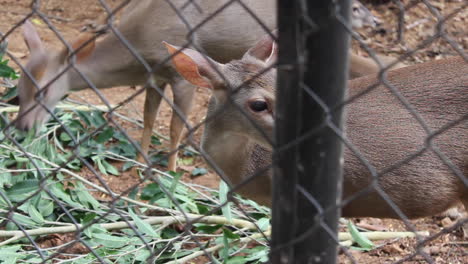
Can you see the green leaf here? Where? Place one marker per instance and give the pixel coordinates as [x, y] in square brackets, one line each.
[88, 218]
[186, 161]
[45, 207]
[35, 215]
[175, 181]
[110, 241]
[133, 194]
[22, 190]
[58, 192]
[24, 220]
[85, 151]
[11, 260]
[223, 194]
[360, 239]
[237, 260]
[142, 255]
[188, 203]
[168, 233]
[203, 209]
[259, 253]
[92, 118]
[6, 176]
[94, 229]
[97, 118]
[155, 140]
[85, 197]
[9, 94]
[128, 165]
[263, 210]
[229, 234]
[151, 190]
[98, 161]
[6, 71]
[224, 254]
[10, 249]
[124, 149]
[18, 158]
[65, 137]
[207, 229]
[105, 135]
[159, 159]
[143, 226]
[263, 224]
[75, 126]
[3, 202]
[35, 260]
[109, 168]
[10, 254]
[199, 172]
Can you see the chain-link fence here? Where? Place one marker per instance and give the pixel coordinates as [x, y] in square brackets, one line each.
[87, 176]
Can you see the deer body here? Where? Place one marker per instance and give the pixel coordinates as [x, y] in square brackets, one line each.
[144, 24]
[377, 124]
[386, 133]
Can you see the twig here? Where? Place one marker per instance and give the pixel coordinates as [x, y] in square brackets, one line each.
[346, 243]
[58, 18]
[218, 220]
[64, 107]
[417, 23]
[383, 235]
[461, 243]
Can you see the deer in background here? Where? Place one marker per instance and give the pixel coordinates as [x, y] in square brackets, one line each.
[144, 24]
[377, 124]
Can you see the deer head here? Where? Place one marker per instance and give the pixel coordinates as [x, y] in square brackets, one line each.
[42, 83]
[243, 90]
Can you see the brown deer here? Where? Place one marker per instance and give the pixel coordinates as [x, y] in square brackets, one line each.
[144, 24]
[377, 124]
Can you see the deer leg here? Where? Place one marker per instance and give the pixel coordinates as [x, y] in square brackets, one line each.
[465, 225]
[152, 102]
[183, 98]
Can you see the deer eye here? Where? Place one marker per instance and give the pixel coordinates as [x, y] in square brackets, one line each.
[258, 106]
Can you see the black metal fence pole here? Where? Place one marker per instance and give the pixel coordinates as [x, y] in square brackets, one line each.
[312, 76]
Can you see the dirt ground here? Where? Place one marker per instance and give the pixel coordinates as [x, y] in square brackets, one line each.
[70, 16]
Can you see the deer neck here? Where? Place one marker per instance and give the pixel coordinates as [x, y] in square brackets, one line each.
[111, 64]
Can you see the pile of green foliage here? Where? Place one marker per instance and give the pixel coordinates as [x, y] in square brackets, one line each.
[43, 189]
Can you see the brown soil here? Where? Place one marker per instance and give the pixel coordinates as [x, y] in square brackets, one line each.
[68, 17]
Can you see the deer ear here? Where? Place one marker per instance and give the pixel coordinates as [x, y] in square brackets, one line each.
[86, 43]
[193, 66]
[265, 49]
[31, 37]
[84, 46]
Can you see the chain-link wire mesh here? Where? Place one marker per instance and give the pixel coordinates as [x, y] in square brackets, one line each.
[85, 177]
